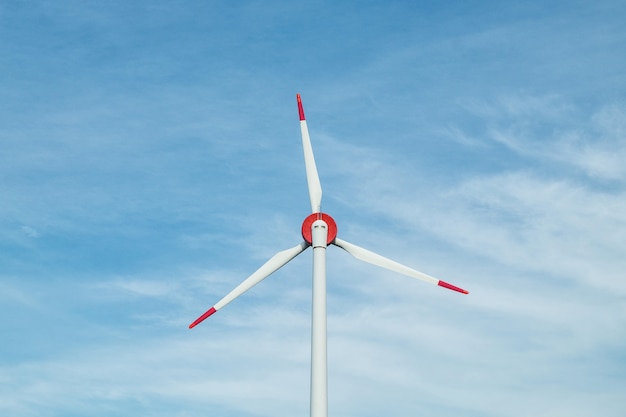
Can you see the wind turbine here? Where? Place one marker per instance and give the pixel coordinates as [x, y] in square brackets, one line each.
[318, 230]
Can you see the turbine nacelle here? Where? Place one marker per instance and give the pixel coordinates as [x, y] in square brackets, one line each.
[307, 224]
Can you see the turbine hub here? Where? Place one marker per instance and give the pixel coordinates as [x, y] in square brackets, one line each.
[308, 223]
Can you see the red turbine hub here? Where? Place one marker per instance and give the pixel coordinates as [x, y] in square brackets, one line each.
[308, 223]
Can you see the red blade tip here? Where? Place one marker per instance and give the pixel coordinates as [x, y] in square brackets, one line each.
[202, 317]
[300, 109]
[452, 287]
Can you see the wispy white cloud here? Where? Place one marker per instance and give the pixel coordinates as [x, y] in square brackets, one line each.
[30, 232]
[594, 144]
[536, 221]
[13, 293]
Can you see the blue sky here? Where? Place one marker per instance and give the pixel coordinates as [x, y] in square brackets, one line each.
[151, 160]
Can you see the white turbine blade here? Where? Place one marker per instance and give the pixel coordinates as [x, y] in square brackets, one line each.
[312, 178]
[378, 260]
[272, 265]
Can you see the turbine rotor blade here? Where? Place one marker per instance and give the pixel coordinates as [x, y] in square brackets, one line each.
[378, 260]
[312, 178]
[272, 265]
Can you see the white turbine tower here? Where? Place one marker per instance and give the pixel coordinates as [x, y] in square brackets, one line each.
[318, 230]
